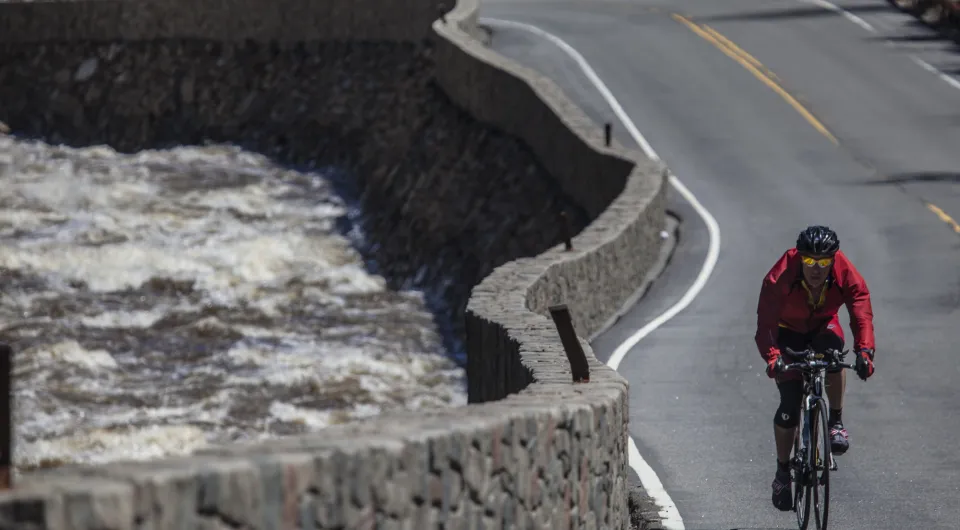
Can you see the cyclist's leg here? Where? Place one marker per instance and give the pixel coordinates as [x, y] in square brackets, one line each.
[786, 419]
[831, 337]
[784, 427]
[790, 385]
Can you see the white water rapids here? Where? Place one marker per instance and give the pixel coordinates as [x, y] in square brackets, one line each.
[165, 300]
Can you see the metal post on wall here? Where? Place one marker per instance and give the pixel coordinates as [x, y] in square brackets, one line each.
[571, 345]
[565, 231]
[442, 7]
[6, 417]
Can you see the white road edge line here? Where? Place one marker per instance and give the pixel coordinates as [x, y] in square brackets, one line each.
[649, 479]
[952, 81]
[846, 14]
[933, 70]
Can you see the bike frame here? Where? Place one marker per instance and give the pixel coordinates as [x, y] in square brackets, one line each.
[813, 393]
[813, 367]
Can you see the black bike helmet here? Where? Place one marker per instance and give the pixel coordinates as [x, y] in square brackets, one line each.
[818, 240]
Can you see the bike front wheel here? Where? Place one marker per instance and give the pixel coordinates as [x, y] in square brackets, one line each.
[801, 492]
[821, 458]
[812, 479]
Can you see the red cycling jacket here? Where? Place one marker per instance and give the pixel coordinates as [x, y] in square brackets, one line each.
[785, 302]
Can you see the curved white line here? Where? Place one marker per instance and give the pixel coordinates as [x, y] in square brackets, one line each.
[671, 517]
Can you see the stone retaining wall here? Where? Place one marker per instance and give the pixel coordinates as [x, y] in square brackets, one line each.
[531, 451]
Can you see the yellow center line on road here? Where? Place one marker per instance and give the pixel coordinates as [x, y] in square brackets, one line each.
[756, 68]
[738, 50]
[944, 217]
[761, 72]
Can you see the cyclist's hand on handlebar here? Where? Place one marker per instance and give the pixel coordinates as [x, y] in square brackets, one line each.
[864, 364]
[774, 366]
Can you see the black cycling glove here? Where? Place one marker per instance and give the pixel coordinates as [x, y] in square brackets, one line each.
[864, 364]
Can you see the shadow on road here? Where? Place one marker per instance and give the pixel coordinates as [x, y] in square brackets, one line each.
[913, 30]
[905, 178]
[796, 12]
[914, 37]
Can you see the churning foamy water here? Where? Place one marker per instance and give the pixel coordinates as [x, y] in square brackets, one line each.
[166, 300]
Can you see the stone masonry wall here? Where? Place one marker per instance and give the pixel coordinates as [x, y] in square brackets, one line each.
[532, 451]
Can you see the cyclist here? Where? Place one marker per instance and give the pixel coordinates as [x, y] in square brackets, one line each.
[799, 301]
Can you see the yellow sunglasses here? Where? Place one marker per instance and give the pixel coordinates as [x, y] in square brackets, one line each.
[822, 262]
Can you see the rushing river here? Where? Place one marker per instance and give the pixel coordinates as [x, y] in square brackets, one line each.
[169, 299]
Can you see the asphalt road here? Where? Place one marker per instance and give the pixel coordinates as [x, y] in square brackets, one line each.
[701, 408]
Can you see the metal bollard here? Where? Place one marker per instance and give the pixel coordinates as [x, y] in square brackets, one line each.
[6, 417]
[568, 336]
[607, 133]
[565, 230]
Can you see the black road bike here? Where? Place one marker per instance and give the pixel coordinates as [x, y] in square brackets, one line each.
[812, 459]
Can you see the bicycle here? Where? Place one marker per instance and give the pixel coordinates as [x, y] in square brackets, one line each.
[812, 465]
